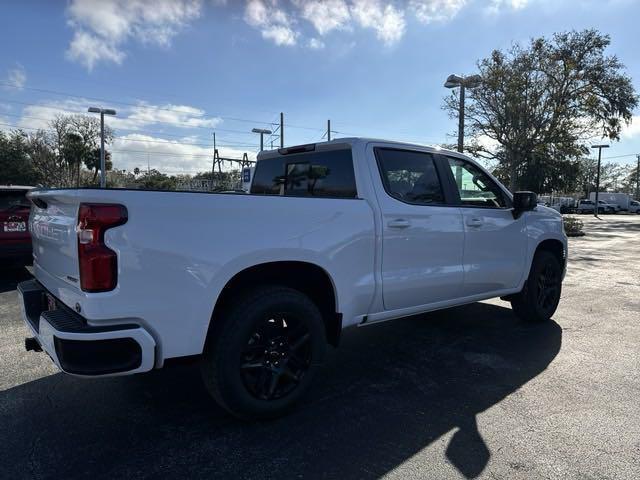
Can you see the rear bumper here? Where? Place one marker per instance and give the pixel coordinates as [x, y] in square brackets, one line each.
[81, 349]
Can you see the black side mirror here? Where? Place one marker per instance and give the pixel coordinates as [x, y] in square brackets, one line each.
[524, 202]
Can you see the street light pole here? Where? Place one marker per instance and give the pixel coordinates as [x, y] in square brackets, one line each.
[262, 132]
[103, 167]
[461, 120]
[455, 81]
[599, 147]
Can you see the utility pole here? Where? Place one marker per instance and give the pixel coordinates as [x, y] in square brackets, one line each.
[215, 150]
[213, 163]
[281, 130]
[328, 130]
[597, 205]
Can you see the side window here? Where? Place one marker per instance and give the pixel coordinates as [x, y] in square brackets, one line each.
[476, 188]
[314, 174]
[410, 176]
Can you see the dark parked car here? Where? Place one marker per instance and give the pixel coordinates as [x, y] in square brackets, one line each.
[15, 241]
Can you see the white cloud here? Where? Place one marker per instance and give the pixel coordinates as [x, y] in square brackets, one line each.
[181, 116]
[16, 78]
[129, 118]
[280, 34]
[89, 50]
[387, 20]
[316, 44]
[274, 23]
[38, 116]
[325, 15]
[429, 11]
[101, 27]
[633, 130]
[497, 6]
[488, 143]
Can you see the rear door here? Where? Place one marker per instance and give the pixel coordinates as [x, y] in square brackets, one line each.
[495, 243]
[423, 236]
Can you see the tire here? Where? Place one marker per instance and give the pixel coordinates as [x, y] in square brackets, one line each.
[538, 300]
[262, 356]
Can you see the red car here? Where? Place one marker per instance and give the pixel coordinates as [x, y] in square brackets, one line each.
[15, 240]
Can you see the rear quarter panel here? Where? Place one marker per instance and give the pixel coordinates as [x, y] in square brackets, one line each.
[178, 250]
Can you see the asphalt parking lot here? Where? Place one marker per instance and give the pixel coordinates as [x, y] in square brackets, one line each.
[466, 393]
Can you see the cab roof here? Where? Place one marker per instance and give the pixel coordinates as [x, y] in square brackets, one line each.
[353, 141]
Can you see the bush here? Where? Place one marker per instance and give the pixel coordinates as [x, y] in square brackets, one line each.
[573, 227]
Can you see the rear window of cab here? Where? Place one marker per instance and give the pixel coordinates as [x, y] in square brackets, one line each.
[327, 174]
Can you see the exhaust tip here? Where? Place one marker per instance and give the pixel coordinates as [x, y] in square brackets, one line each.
[31, 344]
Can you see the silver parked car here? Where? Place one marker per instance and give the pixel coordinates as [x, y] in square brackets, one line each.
[589, 206]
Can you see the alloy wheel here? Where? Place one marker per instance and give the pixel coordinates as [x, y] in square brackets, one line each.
[276, 357]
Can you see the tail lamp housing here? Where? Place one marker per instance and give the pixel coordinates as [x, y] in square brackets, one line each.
[98, 263]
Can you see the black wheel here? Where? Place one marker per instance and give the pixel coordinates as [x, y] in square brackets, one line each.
[263, 355]
[538, 300]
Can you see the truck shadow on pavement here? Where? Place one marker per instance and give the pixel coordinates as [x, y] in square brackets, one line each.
[12, 275]
[386, 394]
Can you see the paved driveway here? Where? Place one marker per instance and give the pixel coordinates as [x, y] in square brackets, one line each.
[465, 393]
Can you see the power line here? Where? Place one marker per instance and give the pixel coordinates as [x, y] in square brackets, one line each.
[168, 142]
[228, 142]
[620, 156]
[144, 152]
[165, 154]
[62, 109]
[82, 112]
[143, 104]
[118, 102]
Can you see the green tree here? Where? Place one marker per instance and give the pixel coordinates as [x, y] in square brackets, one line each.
[70, 141]
[15, 162]
[587, 172]
[154, 180]
[92, 162]
[541, 103]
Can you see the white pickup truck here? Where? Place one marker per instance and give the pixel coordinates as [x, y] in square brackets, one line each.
[332, 235]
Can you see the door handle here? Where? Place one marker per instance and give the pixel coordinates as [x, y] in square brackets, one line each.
[474, 222]
[399, 223]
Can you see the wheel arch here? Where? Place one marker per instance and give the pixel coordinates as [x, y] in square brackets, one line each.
[554, 246]
[306, 277]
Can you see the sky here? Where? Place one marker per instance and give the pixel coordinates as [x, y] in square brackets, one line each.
[178, 70]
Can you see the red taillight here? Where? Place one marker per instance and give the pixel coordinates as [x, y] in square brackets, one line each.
[98, 263]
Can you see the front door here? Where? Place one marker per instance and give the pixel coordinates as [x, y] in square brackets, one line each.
[423, 237]
[495, 243]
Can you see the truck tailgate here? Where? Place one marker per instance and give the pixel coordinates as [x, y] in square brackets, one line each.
[53, 230]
